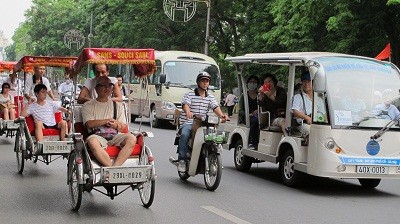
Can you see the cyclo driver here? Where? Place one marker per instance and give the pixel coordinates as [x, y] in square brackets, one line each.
[197, 102]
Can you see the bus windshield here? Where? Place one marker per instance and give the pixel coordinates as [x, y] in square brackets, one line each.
[361, 92]
[185, 73]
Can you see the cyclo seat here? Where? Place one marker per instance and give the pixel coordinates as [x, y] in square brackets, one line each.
[47, 131]
[112, 151]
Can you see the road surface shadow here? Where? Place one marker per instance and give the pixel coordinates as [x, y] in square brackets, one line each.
[317, 185]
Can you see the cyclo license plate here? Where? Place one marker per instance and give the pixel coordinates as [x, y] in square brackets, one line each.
[373, 169]
[57, 147]
[127, 175]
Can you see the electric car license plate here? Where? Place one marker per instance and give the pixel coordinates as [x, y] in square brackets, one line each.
[373, 169]
[127, 175]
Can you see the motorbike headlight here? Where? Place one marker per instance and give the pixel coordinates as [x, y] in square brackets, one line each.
[168, 105]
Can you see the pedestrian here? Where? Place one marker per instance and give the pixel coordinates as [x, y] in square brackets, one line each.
[230, 102]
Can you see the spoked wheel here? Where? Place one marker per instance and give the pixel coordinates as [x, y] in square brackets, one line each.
[146, 192]
[154, 120]
[290, 176]
[242, 163]
[75, 189]
[212, 176]
[20, 150]
[147, 189]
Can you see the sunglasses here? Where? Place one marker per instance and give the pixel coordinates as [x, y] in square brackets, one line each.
[110, 85]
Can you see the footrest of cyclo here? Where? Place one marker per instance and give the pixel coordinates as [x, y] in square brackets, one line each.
[123, 174]
[57, 147]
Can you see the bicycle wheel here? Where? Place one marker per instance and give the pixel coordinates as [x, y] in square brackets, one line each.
[75, 189]
[147, 189]
[212, 176]
[20, 150]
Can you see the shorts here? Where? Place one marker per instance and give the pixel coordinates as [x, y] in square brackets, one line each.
[51, 127]
[116, 141]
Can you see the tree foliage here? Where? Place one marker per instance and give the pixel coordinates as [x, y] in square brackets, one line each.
[237, 27]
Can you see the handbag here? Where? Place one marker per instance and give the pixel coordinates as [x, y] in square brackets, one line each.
[104, 131]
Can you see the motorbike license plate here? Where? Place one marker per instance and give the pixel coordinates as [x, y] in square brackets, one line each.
[127, 175]
[372, 169]
[57, 147]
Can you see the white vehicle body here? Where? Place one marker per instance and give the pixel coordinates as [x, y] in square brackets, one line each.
[337, 147]
[156, 100]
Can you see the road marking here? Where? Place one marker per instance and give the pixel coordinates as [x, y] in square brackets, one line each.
[225, 215]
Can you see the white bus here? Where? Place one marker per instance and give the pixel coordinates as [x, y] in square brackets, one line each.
[344, 143]
[158, 101]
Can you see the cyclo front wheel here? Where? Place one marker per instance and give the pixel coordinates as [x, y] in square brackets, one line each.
[212, 175]
[20, 150]
[75, 189]
[147, 189]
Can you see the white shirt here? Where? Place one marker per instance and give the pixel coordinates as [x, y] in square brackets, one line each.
[29, 86]
[90, 84]
[44, 113]
[230, 100]
[65, 87]
[387, 111]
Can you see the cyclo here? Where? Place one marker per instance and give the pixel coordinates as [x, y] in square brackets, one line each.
[9, 126]
[25, 142]
[138, 172]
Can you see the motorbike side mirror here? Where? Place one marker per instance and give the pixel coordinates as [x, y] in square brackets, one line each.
[163, 78]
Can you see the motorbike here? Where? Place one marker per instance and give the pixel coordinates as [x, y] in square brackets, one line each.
[66, 101]
[204, 151]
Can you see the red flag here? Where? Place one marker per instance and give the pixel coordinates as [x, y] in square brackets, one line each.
[385, 53]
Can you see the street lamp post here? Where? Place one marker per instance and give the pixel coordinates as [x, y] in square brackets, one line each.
[207, 40]
[170, 6]
[90, 36]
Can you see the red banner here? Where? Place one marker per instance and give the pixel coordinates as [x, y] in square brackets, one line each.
[27, 62]
[7, 66]
[142, 59]
[385, 53]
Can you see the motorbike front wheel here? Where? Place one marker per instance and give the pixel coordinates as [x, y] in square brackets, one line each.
[212, 175]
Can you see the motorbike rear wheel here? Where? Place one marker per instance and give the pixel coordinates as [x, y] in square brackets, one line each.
[212, 175]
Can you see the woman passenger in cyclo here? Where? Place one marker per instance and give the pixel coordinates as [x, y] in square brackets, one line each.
[197, 102]
[43, 112]
[88, 91]
[15, 84]
[253, 82]
[98, 113]
[273, 100]
[7, 103]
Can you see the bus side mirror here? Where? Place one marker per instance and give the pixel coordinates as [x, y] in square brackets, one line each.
[163, 78]
[222, 84]
[319, 79]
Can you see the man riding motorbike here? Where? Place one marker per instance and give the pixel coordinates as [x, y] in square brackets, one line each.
[198, 102]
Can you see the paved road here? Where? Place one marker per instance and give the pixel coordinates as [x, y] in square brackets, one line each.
[40, 195]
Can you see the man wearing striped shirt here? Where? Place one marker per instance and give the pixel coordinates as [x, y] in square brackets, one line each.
[197, 102]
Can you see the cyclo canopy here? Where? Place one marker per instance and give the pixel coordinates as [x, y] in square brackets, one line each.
[27, 62]
[141, 59]
[6, 66]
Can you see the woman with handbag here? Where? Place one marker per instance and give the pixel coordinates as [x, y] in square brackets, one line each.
[7, 103]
